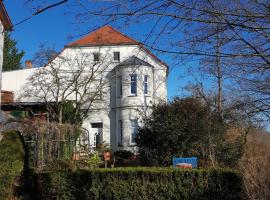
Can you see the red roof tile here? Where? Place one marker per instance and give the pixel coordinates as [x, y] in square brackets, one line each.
[105, 35]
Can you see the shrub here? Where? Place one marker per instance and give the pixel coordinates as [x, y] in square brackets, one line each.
[89, 162]
[124, 158]
[124, 154]
[255, 166]
[138, 183]
[185, 128]
[11, 161]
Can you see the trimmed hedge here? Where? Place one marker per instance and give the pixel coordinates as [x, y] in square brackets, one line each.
[11, 162]
[138, 183]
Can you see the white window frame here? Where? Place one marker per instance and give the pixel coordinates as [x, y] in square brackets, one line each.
[146, 83]
[136, 84]
[133, 129]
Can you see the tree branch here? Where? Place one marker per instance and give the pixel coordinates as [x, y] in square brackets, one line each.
[41, 11]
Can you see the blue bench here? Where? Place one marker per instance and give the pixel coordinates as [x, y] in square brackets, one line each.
[192, 160]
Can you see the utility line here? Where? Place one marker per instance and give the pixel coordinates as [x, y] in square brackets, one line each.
[40, 11]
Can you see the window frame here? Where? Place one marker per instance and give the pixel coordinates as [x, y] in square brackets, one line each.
[135, 81]
[118, 56]
[96, 55]
[146, 85]
[133, 130]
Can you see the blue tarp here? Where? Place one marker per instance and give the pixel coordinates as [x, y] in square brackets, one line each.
[191, 160]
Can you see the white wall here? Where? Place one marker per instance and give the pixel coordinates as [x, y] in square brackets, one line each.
[16, 80]
[113, 108]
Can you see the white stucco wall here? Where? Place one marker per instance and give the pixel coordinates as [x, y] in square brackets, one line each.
[113, 107]
[17, 80]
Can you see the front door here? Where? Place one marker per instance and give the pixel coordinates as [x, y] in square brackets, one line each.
[96, 132]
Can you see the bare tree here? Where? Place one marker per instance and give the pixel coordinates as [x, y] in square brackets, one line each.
[190, 28]
[72, 78]
[185, 26]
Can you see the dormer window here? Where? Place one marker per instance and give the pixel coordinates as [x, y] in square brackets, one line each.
[116, 56]
[96, 57]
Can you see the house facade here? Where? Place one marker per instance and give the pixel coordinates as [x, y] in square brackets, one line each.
[5, 25]
[133, 80]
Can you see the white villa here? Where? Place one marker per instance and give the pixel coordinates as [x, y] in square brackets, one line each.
[135, 80]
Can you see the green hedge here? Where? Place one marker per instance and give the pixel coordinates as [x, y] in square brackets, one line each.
[138, 183]
[11, 162]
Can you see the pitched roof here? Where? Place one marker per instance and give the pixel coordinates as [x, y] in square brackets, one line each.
[105, 35]
[133, 60]
[4, 17]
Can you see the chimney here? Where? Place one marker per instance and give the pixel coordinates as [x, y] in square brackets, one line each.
[28, 64]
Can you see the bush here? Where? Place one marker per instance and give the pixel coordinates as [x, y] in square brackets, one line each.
[185, 128]
[11, 162]
[138, 183]
[124, 158]
[124, 154]
[255, 166]
[89, 162]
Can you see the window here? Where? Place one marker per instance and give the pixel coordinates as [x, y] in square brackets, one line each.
[96, 57]
[133, 84]
[120, 132]
[134, 130]
[120, 86]
[146, 84]
[116, 56]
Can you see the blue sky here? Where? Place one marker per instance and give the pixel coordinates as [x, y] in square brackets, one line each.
[56, 28]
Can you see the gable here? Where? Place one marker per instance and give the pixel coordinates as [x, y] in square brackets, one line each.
[108, 36]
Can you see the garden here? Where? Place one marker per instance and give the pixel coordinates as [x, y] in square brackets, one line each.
[51, 161]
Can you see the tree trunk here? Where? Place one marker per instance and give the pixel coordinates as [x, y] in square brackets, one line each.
[219, 73]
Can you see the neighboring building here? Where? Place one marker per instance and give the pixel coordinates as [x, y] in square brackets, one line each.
[136, 79]
[5, 25]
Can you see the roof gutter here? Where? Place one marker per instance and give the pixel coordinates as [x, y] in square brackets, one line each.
[5, 18]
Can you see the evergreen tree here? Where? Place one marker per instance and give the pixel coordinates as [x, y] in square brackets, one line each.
[12, 56]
